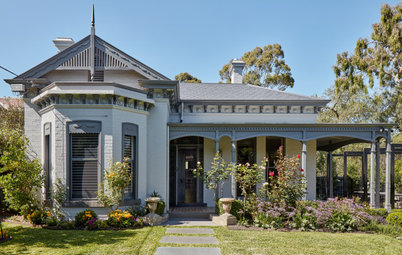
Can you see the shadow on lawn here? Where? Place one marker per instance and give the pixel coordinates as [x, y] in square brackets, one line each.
[25, 237]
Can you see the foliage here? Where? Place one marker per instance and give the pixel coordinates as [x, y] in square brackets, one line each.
[122, 219]
[248, 176]
[381, 228]
[237, 207]
[264, 67]
[380, 212]
[138, 211]
[288, 184]
[86, 219]
[216, 177]
[38, 217]
[59, 196]
[116, 179]
[160, 208]
[186, 77]
[370, 77]
[13, 117]
[341, 222]
[395, 218]
[20, 176]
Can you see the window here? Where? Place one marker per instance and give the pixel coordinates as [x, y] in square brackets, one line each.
[84, 159]
[46, 163]
[130, 132]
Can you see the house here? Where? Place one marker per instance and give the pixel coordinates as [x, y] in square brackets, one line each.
[92, 104]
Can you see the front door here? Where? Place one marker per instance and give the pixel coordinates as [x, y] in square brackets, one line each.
[186, 183]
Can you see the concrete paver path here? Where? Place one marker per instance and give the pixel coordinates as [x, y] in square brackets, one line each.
[187, 251]
[189, 231]
[190, 239]
[189, 236]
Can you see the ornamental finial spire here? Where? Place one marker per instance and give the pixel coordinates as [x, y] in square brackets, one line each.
[93, 16]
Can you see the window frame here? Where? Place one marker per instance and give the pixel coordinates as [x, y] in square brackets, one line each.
[130, 129]
[83, 127]
[47, 159]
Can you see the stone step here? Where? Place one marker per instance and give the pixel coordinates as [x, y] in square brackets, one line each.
[190, 239]
[187, 250]
[191, 212]
[189, 231]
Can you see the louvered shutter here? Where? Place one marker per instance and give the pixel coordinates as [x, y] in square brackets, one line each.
[84, 165]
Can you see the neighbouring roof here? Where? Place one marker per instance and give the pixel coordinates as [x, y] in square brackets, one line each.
[6, 102]
[229, 92]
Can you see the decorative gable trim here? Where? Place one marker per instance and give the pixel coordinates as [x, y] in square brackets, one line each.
[78, 56]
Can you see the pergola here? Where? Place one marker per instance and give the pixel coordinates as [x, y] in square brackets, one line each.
[329, 137]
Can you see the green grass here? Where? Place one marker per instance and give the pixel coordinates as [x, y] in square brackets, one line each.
[27, 240]
[273, 242]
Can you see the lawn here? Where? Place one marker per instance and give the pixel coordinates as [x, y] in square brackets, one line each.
[145, 241]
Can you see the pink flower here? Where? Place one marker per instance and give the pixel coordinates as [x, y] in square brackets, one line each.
[271, 173]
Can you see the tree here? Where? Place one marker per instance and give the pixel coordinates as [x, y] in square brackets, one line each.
[13, 116]
[264, 67]
[186, 77]
[20, 177]
[215, 178]
[374, 70]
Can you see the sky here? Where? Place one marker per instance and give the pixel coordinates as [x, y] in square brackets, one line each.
[198, 37]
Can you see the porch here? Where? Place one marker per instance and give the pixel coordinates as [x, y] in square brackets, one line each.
[299, 139]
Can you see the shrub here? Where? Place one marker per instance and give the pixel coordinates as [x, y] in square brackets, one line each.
[52, 221]
[138, 211]
[288, 184]
[386, 229]
[341, 222]
[82, 218]
[160, 209]
[38, 217]
[121, 219]
[237, 208]
[116, 179]
[20, 176]
[66, 225]
[381, 212]
[271, 215]
[395, 218]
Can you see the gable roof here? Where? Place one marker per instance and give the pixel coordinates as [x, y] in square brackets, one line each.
[229, 92]
[77, 56]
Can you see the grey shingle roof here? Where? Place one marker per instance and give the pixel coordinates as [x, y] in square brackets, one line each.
[238, 92]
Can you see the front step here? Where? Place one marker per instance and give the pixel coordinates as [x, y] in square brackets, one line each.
[191, 212]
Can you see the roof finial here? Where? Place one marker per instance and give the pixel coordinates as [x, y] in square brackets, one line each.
[93, 15]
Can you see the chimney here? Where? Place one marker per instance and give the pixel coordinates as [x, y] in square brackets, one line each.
[63, 43]
[236, 71]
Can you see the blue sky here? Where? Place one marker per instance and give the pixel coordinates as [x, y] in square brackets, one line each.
[198, 37]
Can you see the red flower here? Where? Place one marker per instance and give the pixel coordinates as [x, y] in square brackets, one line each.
[271, 173]
[298, 156]
[283, 179]
[301, 170]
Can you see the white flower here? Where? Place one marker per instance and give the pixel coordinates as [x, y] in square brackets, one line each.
[265, 184]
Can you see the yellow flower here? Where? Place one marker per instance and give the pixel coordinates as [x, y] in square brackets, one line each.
[111, 175]
[48, 214]
[118, 163]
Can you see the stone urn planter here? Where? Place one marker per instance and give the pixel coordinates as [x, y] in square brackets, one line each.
[152, 218]
[227, 204]
[226, 218]
[152, 203]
